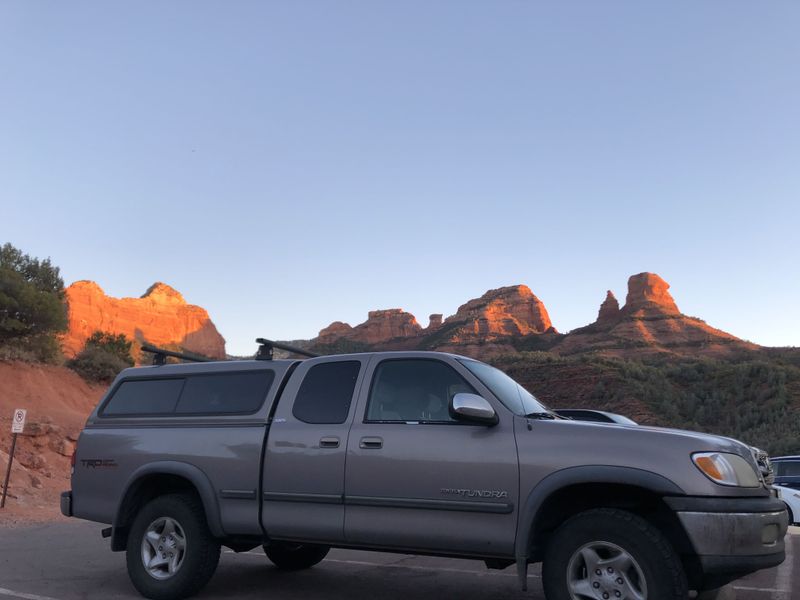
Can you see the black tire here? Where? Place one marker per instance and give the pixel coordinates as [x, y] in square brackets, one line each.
[199, 557]
[293, 557]
[659, 565]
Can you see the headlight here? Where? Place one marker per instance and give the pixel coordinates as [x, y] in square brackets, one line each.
[726, 469]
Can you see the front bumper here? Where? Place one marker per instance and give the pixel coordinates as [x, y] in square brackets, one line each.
[732, 537]
[66, 504]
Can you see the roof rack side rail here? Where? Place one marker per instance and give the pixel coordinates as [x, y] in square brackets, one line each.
[266, 346]
[160, 355]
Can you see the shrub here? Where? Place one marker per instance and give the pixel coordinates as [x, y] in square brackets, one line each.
[103, 356]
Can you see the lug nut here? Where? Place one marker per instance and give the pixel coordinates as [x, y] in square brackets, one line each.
[618, 594]
[605, 595]
[620, 581]
[610, 570]
[598, 572]
[595, 585]
[163, 539]
[160, 548]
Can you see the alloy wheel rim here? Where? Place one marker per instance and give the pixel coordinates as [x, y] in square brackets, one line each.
[163, 548]
[604, 571]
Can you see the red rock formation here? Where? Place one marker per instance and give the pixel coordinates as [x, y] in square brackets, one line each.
[333, 332]
[380, 326]
[648, 295]
[512, 310]
[649, 323]
[161, 317]
[434, 321]
[500, 313]
[609, 309]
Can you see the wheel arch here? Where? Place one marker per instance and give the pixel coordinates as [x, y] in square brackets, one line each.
[159, 478]
[593, 486]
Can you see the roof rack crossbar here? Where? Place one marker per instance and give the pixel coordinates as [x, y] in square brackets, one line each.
[160, 355]
[266, 346]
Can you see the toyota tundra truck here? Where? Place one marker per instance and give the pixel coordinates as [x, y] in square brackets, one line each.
[412, 452]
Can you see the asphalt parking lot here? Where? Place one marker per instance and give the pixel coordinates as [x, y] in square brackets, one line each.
[69, 561]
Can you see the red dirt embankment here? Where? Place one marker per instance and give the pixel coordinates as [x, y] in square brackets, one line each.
[58, 402]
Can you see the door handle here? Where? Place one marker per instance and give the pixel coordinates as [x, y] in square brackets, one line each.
[329, 442]
[371, 443]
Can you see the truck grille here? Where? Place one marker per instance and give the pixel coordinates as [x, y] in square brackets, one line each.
[764, 465]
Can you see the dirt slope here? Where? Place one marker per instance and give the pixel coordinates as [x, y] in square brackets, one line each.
[58, 402]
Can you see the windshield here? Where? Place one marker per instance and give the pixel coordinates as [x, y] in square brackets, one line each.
[515, 397]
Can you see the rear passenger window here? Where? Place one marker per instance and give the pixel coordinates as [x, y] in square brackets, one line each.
[326, 392]
[225, 393]
[145, 397]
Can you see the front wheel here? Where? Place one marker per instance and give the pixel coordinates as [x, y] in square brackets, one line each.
[170, 553]
[293, 557]
[609, 554]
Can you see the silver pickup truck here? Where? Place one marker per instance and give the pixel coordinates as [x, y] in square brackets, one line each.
[413, 452]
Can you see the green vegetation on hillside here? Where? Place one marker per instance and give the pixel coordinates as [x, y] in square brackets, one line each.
[33, 309]
[756, 399]
[103, 356]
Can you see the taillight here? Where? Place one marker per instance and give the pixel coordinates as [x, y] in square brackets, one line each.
[72, 461]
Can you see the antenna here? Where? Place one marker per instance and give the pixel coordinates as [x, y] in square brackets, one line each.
[266, 346]
[160, 355]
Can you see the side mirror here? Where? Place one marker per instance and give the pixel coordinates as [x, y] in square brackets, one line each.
[473, 408]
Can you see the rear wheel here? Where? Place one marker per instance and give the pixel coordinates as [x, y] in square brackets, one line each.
[293, 557]
[171, 553]
[609, 554]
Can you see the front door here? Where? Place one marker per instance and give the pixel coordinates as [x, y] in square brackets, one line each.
[416, 478]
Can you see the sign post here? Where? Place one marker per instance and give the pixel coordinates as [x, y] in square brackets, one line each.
[17, 426]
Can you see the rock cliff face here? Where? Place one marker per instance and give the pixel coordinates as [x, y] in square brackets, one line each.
[512, 318]
[507, 312]
[609, 309]
[648, 295]
[649, 323]
[435, 321]
[381, 326]
[161, 317]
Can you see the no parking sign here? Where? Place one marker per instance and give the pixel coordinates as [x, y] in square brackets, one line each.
[17, 425]
[18, 421]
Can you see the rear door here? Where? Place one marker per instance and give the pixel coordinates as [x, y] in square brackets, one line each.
[303, 473]
[418, 479]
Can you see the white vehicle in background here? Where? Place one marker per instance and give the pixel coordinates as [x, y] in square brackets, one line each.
[790, 494]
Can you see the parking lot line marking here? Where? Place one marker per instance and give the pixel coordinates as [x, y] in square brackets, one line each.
[365, 563]
[13, 594]
[783, 578]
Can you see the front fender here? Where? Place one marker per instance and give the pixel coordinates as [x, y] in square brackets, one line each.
[529, 512]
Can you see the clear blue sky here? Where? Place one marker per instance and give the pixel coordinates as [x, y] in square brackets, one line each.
[288, 164]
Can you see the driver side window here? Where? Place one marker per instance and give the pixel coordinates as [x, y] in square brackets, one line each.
[414, 390]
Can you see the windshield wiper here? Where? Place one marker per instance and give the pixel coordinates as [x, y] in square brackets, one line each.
[542, 415]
